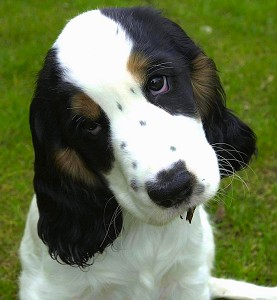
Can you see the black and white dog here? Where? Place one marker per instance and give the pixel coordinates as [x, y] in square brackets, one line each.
[130, 132]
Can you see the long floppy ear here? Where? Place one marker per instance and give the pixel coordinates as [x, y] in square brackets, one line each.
[233, 141]
[78, 214]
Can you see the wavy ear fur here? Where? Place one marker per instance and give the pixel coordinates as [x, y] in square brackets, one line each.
[78, 215]
[233, 141]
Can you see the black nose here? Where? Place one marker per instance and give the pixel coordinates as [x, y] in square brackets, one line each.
[171, 187]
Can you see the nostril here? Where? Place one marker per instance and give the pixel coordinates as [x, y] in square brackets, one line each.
[171, 187]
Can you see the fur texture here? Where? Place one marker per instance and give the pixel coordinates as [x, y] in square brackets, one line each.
[130, 131]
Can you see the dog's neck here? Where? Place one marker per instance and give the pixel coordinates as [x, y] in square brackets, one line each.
[138, 234]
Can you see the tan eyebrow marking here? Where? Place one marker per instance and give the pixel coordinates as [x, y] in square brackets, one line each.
[137, 65]
[85, 106]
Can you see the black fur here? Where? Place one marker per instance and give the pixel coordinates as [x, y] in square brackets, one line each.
[233, 141]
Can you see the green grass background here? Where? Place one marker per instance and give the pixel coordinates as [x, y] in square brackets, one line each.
[243, 43]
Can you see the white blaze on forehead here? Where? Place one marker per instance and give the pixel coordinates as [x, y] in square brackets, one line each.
[93, 52]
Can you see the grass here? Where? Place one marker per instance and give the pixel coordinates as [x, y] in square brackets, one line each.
[240, 36]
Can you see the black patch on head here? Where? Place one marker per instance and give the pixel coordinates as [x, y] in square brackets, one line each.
[157, 39]
[134, 165]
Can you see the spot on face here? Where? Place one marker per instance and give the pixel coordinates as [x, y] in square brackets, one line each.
[70, 163]
[134, 185]
[142, 123]
[119, 106]
[85, 106]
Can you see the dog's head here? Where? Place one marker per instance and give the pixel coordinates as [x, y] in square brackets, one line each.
[128, 115]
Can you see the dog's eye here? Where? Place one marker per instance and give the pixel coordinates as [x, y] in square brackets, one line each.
[158, 85]
[91, 127]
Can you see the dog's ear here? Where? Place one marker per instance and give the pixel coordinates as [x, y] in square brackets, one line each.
[233, 141]
[78, 215]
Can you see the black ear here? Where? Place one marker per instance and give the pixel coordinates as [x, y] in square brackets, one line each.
[78, 214]
[233, 141]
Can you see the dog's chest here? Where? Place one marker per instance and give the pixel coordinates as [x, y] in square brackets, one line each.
[150, 262]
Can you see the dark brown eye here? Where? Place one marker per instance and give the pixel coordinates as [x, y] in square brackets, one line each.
[91, 127]
[158, 85]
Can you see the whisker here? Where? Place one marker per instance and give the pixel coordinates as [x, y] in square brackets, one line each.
[112, 221]
[241, 162]
[233, 149]
[159, 65]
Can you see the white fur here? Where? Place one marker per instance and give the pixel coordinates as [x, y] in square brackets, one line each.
[140, 265]
[157, 255]
[239, 290]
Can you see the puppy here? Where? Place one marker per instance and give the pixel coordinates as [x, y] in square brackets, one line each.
[131, 137]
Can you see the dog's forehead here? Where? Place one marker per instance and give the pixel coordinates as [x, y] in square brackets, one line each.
[96, 54]
[92, 41]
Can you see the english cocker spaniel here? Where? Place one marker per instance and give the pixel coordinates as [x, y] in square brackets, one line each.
[131, 137]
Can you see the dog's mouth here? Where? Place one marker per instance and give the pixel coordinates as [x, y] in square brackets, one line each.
[190, 213]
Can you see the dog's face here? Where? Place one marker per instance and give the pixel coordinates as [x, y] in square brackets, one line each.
[128, 115]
